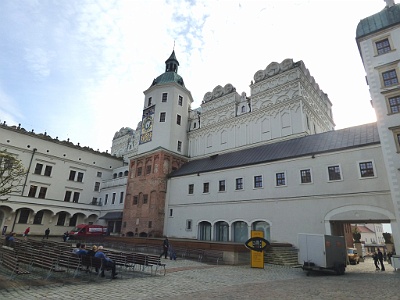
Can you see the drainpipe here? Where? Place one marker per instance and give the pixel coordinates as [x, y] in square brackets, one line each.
[23, 187]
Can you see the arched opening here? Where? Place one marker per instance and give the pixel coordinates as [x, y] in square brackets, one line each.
[143, 234]
[221, 231]
[129, 233]
[240, 232]
[204, 231]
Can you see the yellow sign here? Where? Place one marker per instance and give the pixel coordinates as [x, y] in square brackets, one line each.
[257, 257]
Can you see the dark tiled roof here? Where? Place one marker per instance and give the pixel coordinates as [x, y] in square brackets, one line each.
[112, 215]
[387, 17]
[331, 141]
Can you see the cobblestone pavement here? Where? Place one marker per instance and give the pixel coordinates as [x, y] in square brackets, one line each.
[187, 279]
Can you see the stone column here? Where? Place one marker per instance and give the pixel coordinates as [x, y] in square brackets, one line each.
[358, 246]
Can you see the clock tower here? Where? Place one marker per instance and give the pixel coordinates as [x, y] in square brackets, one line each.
[163, 148]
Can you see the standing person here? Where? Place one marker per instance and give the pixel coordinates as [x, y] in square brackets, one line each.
[46, 233]
[165, 248]
[26, 233]
[380, 257]
[375, 258]
[65, 236]
[172, 253]
[108, 263]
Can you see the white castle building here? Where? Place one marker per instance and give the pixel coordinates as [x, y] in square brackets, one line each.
[270, 161]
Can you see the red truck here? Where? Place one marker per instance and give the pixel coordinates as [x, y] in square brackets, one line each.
[86, 230]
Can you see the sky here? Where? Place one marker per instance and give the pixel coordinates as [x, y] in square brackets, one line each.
[77, 69]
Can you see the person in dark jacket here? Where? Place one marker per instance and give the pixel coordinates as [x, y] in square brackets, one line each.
[380, 258]
[165, 248]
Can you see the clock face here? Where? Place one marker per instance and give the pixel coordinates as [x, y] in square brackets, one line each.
[147, 124]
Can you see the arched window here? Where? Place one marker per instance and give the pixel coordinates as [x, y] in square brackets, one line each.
[221, 231]
[204, 231]
[264, 227]
[126, 173]
[240, 232]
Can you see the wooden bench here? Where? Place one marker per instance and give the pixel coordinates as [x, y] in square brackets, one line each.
[195, 254]
[155, 260]
[11, 262]
[213, 255]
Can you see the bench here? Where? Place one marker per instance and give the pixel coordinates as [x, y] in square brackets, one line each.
[155, 260]
[11, 262]
[196, 254]
[213, 255]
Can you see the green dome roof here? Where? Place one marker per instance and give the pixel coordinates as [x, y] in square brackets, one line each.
[168, 77]
[388, 17]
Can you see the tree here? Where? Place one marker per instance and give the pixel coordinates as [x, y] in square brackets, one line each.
[12, 173]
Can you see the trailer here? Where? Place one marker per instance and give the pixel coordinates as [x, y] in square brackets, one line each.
[323, 253]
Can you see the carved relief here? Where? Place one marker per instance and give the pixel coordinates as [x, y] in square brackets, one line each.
[207, 97]
[287, 64]
[228, 88]
[272, 69]
[260, 75]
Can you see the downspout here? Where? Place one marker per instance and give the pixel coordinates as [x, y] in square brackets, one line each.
[23, 187]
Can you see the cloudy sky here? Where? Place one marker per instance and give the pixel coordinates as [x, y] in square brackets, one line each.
[77, 69]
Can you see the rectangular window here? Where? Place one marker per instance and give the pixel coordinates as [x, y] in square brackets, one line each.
[99, 174]
[97, 186]
[135, 200]
[334, 173]
[164, 97]
[42, 192]
[72, 174]
[150, 224]
[390, 78]
[139, 171]
[383, 46]
[38, 168]
[180, 100]
[61, 218]
[94, 201]
[189, 224]
[191, 189]
[305, 176]
[162, 117]
[106, 199]
[171, 212]
[114, 195]
[280, 179]
[178, 119]
[149, 101]
[38, 217]
[32, 191]
[47, 171]
[206, 187]
[76, 197]
[394, 104]
[179, 147]
[221, 186]
[148, 169]
[366, 169]
[239, 183]
[258, 181]
[145, 199]
[121, 197]
[80, 177]
[67, 196]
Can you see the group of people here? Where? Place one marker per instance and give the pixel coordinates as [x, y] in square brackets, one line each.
[378, 260]
[97, 252]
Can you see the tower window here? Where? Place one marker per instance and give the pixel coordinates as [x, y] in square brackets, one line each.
[390, 78]
[179, 148]
[394, 104]
[178, 119]
[162, 117]
[164, 97]
[180, 100]
[383, 46]
[149, 101]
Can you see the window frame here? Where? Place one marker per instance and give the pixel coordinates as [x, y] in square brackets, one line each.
[220, 185]
[384, 48]
[178, 119]
[179, 146]
[189, 225]
[38, 169]
[391, 81]
[191, 189]
[239, 184]
[206, 187]
[164, 97]
[280, 179]
[75, 197]
[396, 97]
[340, 173]
[163, 116]
[258, 182]
[121, 197]
[180, 100]
[372, 166]
[307, 176]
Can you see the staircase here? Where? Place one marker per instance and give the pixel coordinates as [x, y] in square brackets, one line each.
[282, 254]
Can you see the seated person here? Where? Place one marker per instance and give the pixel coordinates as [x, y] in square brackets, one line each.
[108, 263]
[78, 247]
[82, 250]
[92, 251]
[10, 240]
